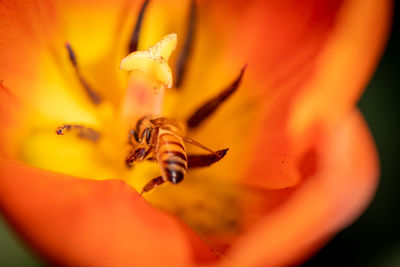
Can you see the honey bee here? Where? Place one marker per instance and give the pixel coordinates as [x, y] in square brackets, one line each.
[160, 139]
[163, 140]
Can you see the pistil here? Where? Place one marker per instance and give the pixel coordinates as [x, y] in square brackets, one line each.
[150, 76]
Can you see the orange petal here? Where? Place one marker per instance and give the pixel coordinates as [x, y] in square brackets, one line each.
[32, 62]
[345, 65]
[308, 62]
[24, 29]
[286, 66]
[80, 222]
[344, 182]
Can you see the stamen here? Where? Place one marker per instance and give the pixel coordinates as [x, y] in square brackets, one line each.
[133, 43]
[80, 130]
[71, 55]
[211, 105]
[94, 97]
[187, 46]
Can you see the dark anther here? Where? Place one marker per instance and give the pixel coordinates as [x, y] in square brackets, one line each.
[63, 129]
[80, 130]
[133, 43]
[195, 161]
[94, 97]
[211, 105]
[71, 55]
[187, 46]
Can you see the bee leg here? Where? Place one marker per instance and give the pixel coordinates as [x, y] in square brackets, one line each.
[139, 154]
[212, 105]
[195, 161]
[152, 184]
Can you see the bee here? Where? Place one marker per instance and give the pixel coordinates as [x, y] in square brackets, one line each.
[162, 140]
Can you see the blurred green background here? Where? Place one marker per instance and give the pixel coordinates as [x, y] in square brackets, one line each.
[374, 239]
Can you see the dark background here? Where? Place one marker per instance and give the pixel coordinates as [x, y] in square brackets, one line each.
[374, 239]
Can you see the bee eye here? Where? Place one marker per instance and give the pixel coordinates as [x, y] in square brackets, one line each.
[134, 134]
[145, 134]
[148, 136]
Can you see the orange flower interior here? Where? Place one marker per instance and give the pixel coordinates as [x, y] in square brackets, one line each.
[97, 104]
[303, 78]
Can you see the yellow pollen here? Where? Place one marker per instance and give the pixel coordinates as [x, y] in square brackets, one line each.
[154, 60]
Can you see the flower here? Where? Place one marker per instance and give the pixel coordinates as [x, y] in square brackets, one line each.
[301, 165]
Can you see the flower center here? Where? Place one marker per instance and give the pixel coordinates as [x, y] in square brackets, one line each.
[154, 138]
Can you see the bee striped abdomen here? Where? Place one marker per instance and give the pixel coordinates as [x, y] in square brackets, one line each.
[171, 155]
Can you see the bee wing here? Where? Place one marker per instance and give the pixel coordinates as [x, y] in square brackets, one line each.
[168, 124]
